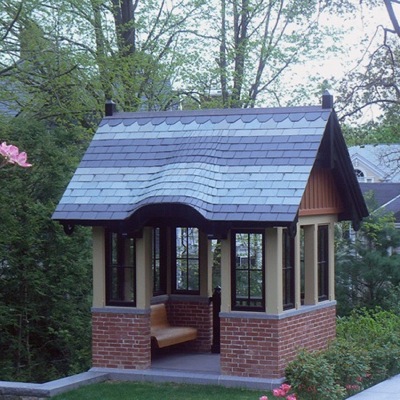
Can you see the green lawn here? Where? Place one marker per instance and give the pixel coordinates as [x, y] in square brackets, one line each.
[152, 391]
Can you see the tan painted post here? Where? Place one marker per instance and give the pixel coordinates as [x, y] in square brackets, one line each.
[99, 268]
[144, 283]
[226, 274]
[311, 264]
[273, 270]
[205, 267]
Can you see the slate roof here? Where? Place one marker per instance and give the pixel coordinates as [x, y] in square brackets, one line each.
[228, 165]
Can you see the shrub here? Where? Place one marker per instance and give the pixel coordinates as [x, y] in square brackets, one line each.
[377, 332]
[366, 351]
[351, 365]
[313, 377]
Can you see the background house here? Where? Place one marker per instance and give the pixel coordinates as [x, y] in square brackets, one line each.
[377, 168]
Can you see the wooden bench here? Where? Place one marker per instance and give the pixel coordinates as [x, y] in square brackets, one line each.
[163, 333]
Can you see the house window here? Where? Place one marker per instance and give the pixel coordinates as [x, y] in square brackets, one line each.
[187, 260]
[158, 266]
[323, 262]
[288, 270]
[360, 175]
[120, 270]
[248, 280]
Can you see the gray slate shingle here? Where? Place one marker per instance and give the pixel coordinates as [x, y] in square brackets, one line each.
[229, 165]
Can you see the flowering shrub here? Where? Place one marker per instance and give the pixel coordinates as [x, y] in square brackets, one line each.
[313, 377]
[12, 155]
[366, 351]
[282, 391]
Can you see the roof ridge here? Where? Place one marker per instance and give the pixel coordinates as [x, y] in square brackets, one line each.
[218, 112]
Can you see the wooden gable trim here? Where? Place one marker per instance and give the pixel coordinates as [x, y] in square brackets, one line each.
[321, 195]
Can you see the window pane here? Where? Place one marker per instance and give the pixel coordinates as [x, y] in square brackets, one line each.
[181, 242]
[114, 252]
[159, 283]
[181, 274]
[242, 284]
[255, 250]
[193, 275]
[129, 248]
[256, 284]
[187, 259]
[193, 242]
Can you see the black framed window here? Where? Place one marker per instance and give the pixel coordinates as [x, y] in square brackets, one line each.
[120, 270]
[323, 262]
[248, 277]
[157, 262]
[287, 270]
[302, 267]
[187, 260]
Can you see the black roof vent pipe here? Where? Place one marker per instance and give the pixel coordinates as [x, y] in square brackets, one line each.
[110, 108]
[327, 100]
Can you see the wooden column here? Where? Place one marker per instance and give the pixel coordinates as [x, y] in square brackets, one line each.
[144, 286]
[273, 270]
[99, 267]
[226, 274]
[205, 267]
[311, 264]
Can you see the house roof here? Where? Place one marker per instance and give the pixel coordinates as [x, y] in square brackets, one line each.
[386, 195]
[242, 165]
[381, 159]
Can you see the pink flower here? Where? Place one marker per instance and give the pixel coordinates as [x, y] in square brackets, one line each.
[21, 160]
[263, 398]
[282, 391]
[352, 387]
[13, 156]
[279, 392]
[285, 387]
[291, 397]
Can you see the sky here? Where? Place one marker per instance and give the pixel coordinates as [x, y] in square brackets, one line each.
[360, 32]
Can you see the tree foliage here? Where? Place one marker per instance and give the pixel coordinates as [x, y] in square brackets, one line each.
[367, 262]
[373, 83]
[45, 280]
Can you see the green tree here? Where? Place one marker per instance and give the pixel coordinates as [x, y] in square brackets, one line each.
[367, 262]
[254, 45]
[45, 276]
[373, 83]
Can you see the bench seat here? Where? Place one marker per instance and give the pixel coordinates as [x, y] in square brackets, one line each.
[163, 333]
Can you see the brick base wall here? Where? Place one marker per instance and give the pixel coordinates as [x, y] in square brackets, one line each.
[121, 340]
[262, 347]
[197, 315]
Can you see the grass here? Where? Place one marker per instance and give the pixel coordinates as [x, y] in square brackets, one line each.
[153, 391]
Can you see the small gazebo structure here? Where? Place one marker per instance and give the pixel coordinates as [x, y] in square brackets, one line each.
[268, 183]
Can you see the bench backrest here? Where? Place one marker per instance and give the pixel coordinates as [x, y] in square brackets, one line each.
[158, 316]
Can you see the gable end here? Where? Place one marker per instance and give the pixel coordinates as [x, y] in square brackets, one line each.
[321, 195]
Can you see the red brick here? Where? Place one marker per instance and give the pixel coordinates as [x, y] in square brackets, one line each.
[263, 347]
